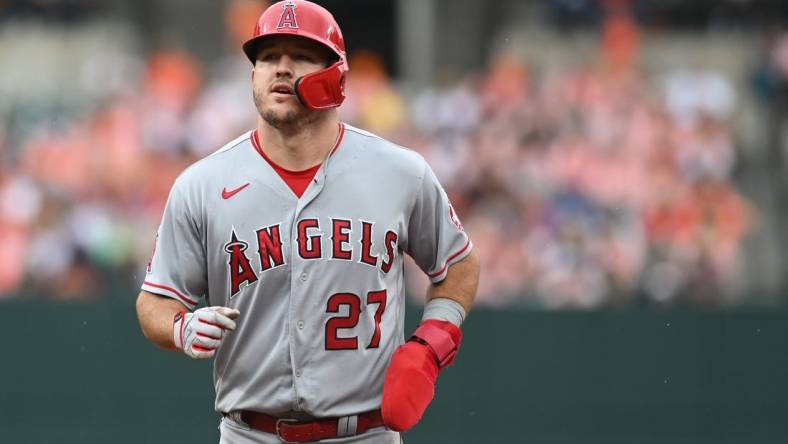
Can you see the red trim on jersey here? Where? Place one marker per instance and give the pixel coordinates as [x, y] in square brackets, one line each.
[176, 292]
[438, 273]
[339, 139]
[297, 181]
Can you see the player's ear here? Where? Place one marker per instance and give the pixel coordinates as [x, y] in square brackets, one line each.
[253, 74]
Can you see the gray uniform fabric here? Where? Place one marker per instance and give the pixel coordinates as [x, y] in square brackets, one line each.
[318, 280]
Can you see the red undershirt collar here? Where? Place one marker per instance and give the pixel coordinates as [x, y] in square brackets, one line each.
[297, 181]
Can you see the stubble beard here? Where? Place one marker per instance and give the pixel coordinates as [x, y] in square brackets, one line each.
[291, 119]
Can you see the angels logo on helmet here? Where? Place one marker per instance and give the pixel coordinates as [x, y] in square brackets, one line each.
[288, 17]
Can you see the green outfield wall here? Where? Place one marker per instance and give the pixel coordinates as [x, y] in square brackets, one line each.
[84, 374]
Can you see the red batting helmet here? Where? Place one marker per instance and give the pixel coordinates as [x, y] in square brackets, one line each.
[321, 89]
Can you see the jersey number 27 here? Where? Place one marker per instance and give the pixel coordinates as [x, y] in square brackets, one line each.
[335, 302]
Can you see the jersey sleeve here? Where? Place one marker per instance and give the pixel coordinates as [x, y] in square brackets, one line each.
[177, 268]
[436, 239]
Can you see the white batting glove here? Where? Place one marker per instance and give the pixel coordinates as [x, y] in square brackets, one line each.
[199, 334]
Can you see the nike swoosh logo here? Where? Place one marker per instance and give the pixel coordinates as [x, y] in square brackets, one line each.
[228, 194]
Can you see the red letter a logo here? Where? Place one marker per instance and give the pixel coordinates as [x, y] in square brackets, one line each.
[288, 18]
[240, 270]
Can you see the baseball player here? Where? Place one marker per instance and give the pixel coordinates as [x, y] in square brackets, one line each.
[293, 235]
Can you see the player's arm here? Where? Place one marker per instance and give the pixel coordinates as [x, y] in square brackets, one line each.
[442, 249]
[155, 314]
[166, 323]
[460, 283]
[410, 379]
[176, 280]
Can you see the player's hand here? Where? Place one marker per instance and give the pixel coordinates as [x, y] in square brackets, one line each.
[199, 334]
[410, 378]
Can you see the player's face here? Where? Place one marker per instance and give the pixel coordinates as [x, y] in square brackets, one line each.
[280, 61]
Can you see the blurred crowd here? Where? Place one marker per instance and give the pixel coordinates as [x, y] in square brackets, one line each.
[593, 185]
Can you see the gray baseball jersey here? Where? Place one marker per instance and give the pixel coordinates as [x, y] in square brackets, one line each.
[318, 279]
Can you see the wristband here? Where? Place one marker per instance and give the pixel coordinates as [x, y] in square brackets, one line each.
[444, 309]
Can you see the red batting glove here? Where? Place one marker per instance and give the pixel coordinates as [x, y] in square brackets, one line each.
[410, 379]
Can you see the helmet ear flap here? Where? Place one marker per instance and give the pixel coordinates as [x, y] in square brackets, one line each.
[322, 89]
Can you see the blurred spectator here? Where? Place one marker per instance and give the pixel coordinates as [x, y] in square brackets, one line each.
[372, 100]
[695, 93]
[620, 37]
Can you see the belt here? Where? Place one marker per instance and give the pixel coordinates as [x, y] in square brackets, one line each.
[293, 430]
